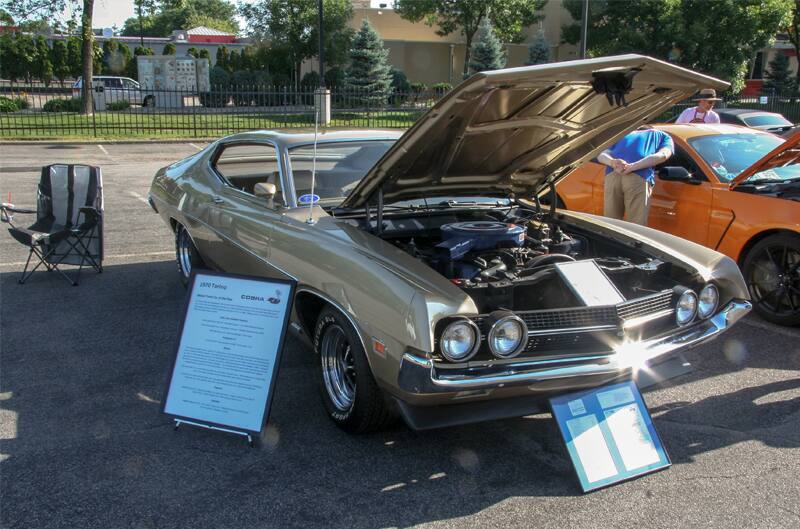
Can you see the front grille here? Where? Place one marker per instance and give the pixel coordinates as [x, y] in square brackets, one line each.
[636, 308]
[580, 329]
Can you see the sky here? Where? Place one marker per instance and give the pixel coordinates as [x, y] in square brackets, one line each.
[108, 13]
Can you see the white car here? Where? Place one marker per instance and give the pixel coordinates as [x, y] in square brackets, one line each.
[116, 89]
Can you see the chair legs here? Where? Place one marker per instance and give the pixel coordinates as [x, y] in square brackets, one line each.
[42, 256]
[76, 244]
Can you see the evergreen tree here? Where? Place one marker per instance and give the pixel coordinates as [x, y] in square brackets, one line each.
[74, 56]
[222, 58]
[60, 60]
[133, 65]
[192, 52]
[204, 54]
[42, 66]
[169, 49]
[539, 50]
[779, 77]
[115, 57]
[234, 61]
[369, 73]
[487, 51]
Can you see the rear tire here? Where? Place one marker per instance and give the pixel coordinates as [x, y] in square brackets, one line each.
[772, 272]
[149, 102]
[186, 255]
[349, 392]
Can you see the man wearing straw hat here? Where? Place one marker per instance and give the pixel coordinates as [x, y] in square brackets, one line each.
[703, 112]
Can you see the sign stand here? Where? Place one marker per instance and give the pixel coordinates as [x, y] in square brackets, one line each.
[250, 442]
[228, 353]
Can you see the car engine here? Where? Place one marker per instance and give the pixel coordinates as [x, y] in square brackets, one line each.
[505, 259]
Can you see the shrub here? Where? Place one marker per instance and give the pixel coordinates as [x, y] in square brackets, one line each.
[440, 89]
[118, 105]
[8, 105]
[220, 81]
[62, 105]
[22, 102]
[400, 87]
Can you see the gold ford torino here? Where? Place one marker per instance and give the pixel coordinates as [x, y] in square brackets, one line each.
[432, 281]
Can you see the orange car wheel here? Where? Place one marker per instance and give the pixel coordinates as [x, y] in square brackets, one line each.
[772, 271]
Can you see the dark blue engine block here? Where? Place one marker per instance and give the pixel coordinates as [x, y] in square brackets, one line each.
[459, 238]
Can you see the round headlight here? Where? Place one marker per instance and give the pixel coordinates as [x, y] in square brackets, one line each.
[686, 308]
[508, 336]
[707, 301]
[459, 340]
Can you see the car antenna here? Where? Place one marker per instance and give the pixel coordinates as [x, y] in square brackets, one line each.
[310, 219]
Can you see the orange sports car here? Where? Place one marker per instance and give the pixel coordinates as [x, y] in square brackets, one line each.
[730, 188]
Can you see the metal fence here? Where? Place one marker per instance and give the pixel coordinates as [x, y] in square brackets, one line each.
[38, 112]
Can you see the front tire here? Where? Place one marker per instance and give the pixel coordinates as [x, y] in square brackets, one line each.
[186, 255]
[772, 272]
[350, 395]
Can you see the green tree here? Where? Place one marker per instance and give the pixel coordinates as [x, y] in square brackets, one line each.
[508, 17]
[159, 18]
[116, 57]
[487, 51]
[133, 65]
[60, 60]
[792, 28]
[369, 74]
[778, 77]
[192, 52]
[718, 37]
[204, 54]
[24, 56]
[223, 58]
[290, 28]
[74, 52]
[169, 49]
[539, 50]
[5, 18]
[42, 66]
[50, 10]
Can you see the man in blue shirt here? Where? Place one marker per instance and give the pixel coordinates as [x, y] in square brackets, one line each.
[630, 175]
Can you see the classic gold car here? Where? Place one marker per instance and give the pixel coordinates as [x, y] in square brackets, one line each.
[431, 281]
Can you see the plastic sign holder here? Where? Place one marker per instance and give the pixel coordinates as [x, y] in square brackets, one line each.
[609, 434]
[228, 352]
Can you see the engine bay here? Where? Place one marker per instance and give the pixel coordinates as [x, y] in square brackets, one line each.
[505, 258]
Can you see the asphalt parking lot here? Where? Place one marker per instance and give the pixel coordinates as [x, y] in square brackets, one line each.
[83, 444]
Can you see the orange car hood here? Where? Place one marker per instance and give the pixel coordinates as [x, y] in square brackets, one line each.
[512, 132]
[787, 153]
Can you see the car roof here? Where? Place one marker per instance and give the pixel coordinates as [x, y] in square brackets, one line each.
[693, 130]
[743, 111]
[290, 139]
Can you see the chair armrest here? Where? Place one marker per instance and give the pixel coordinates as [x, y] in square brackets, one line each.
[90, 217]
[13, 209]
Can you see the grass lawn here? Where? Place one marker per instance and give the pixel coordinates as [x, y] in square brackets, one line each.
[154, 125]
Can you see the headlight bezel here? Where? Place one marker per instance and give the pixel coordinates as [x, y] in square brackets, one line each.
[476, 333]
[500, 320]
[688, 293]
[704, 315]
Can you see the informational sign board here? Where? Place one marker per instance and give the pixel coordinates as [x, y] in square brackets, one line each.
[229, 350]
[609, 434]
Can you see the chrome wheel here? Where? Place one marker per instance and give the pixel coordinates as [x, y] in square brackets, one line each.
[338, 367]
[185, 247]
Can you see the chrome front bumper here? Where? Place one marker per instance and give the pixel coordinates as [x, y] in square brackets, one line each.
[419, 376]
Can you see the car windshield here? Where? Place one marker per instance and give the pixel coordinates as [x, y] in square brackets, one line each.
[770, 120]
[730, 154]
[340, 166]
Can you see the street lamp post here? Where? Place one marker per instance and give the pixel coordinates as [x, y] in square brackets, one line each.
[321, 47]
[584, 27]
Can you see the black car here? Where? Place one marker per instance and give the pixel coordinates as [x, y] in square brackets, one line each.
[755, 119]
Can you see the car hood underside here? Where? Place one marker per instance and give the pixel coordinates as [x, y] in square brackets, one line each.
[512, 132]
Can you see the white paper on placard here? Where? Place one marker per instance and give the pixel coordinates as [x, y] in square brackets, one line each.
[615, 397]
[589, 283]
[227, 351]
[591, 447]
[633, 441]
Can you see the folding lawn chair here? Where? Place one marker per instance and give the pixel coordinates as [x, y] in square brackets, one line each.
[69, 220]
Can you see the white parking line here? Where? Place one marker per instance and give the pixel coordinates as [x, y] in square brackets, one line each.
[196, 147]
[104, 150]
[138, 197]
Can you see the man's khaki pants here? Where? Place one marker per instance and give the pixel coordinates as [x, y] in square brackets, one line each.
[627, 193]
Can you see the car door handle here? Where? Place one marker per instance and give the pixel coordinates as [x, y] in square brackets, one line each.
[218, 200]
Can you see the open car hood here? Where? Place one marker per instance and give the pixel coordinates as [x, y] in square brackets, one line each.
[510, 133]
[787, 153]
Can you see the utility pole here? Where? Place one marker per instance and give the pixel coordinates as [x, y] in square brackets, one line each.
[321, 47]
[584, 27]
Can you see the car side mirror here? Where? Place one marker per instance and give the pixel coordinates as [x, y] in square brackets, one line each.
[676, 174]
[265, 190]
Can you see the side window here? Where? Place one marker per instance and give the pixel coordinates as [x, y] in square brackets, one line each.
[113, 83]
[244, 165]
[128, 84]
[682, 159]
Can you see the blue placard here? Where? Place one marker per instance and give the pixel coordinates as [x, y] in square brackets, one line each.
[609, 434]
